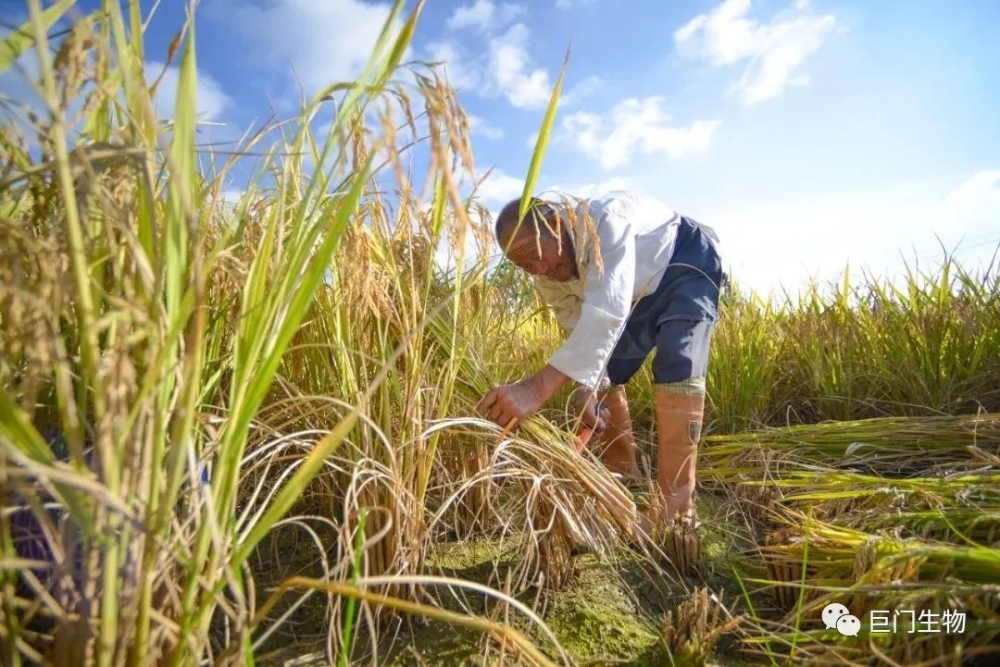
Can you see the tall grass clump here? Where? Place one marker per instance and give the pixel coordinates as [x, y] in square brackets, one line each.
[130, 389]
[194, 389]
[925, 345]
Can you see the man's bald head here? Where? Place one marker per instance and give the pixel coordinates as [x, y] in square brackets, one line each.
[541, 245]
[533, 222]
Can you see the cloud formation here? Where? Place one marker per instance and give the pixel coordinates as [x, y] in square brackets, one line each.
[524, 86]
[481, 127]
[485, 15]
[499, 188]
[772, 53]
[503, 66]
[884, 231]
[211, 100]
[570, 4]
[635, 126]
[319, 42]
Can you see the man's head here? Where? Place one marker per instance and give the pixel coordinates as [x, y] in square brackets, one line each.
[540, 244]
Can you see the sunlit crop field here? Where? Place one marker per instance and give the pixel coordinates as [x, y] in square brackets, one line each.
[242, 431]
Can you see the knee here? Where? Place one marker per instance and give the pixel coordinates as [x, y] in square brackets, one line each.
[682, 350]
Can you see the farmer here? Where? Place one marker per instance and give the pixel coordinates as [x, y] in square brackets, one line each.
[656, 285]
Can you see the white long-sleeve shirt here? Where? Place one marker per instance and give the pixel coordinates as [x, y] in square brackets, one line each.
[637, 236]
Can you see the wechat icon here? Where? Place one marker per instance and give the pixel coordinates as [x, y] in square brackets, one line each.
[836, 615]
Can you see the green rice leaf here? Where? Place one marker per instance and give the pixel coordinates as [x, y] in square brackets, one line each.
[22, 39]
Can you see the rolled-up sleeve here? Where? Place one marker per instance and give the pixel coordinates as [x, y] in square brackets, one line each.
[607, 300]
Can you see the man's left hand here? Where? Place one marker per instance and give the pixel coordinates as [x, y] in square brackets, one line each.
[592, 413]
[510, 404]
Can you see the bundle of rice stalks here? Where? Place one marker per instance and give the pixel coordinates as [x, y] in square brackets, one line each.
[748, 481]
[892, 446]
[691, 633]
[865, 501]
[952, 524]
[569, 504]
[471, 515]
[877, 578]
[807, 554]
[682, 545]
[677, 540]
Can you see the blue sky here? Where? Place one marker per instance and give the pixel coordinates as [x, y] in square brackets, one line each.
[808, 134]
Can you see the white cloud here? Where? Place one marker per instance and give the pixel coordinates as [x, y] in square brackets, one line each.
[485, 15]
[482, 127]
[972, 213]
[635, 125]
[505, 68]
[978, 197]
[211, 100]
[586, 88]
[460, 72]
[320, 42]
[570, 4]
[597, 188]
[232, 195]
[499, 188]
[785, 243]
[524, 87]
[772, 52]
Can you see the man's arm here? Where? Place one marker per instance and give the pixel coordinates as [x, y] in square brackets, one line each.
[607, 301]
[584, 356]
[511, 404]
[548, 380]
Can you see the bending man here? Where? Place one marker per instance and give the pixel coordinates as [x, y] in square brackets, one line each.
[652, 281]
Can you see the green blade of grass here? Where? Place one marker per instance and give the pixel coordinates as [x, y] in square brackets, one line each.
[544, 133]
[21, 39]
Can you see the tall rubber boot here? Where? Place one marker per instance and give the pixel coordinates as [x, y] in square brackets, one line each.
[680, 411]
[616, 447]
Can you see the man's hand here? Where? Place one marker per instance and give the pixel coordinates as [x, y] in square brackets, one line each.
[591, 412]
[510, 404]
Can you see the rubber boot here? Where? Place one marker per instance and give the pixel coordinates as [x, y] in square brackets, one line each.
[616, 447]
[680, 411]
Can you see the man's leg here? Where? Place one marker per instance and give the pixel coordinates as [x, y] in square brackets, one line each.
[680, 409]
[616, 447]
[679, 370]
[683, 337]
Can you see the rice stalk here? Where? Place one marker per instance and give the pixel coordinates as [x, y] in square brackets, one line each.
[700, 622]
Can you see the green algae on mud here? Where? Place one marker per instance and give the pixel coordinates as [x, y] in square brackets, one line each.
[610, 613]
[597, 619]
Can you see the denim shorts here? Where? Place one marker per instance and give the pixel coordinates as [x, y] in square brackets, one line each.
[677, 318]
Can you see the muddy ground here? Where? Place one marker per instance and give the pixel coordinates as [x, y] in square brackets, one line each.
[610, 613]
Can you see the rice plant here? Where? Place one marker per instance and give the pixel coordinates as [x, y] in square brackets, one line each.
[160, 415]
[232, 427]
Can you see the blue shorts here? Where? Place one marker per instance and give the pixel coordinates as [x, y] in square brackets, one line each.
[678, 318]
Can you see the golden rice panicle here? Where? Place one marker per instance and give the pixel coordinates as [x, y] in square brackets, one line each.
[692, 631]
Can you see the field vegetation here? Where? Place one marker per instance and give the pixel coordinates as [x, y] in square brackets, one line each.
[242, 431]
